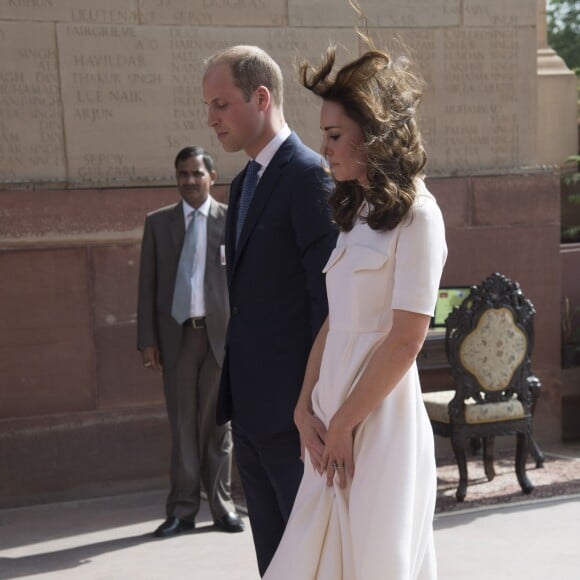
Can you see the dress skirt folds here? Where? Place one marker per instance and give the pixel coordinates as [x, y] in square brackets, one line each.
[381, 526]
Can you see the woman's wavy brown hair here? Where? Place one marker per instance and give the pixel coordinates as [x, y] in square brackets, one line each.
[381, 95]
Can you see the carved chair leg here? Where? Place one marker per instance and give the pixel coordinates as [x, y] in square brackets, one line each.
[488, 453]
[475, 443]
[522, 450]
[537, 454]
[459, 451]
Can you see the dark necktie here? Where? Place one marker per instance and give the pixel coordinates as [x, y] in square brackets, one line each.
[248, 188]
[181, 305]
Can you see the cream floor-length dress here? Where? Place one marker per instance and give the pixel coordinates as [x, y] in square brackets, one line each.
[380, 527]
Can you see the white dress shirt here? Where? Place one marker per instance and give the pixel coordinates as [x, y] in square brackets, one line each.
[266, 155]
[197, 309]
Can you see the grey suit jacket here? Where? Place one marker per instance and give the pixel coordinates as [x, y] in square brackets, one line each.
[160, 250]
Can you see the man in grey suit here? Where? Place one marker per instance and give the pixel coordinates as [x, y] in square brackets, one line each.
[181, 324]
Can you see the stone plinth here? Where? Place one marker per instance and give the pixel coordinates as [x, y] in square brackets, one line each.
[31, 130]
[557, 109]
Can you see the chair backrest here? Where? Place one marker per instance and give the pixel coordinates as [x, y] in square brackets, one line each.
[489, 340]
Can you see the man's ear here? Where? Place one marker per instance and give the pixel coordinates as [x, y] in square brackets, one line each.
[213, 174]
[264, 98]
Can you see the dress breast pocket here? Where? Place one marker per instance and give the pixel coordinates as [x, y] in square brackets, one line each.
[370, 281]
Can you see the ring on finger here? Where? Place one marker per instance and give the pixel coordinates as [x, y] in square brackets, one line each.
[336, 466]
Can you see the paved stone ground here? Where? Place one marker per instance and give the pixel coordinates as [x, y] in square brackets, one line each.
[110, 539]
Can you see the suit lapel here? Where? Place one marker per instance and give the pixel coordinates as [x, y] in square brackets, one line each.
[231, 217]
[264, 190]
[214, 236]
[177, 227]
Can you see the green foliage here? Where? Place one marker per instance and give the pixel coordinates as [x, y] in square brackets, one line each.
[570, 331]
[570, 234]
[564, 30]
[573, 178]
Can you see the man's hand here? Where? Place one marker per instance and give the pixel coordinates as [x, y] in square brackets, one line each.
[151, 358]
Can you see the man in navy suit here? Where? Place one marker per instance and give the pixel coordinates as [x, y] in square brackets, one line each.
[278, 239]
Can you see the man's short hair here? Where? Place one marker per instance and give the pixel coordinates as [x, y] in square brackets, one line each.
[251, 67]
[195, 151]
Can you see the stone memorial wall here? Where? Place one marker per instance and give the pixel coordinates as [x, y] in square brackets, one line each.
[104, 93]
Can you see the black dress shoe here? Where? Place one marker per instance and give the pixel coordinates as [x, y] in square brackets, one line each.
[173, 526]
[231, 523]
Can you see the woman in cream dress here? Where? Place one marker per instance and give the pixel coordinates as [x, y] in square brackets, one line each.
[364, 510]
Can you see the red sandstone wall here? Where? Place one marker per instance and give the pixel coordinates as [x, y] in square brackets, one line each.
[79, 415]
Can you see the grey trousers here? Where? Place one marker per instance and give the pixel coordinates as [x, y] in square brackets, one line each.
[201, 451]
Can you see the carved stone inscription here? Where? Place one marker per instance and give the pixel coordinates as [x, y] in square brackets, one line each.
[89, 11]
[214, 12]
[114, 84]
[395, 13]
[133, 95]
[31, 138]
[479, 106]
[499, 13]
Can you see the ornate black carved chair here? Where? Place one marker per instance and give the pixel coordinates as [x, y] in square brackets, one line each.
[489, 341]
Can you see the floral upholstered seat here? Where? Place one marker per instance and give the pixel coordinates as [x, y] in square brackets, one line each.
[488, 341]
[494, 349]
[437, 405]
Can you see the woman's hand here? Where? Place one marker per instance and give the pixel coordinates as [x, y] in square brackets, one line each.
[312, 435]
[387, 366]
[337, 458]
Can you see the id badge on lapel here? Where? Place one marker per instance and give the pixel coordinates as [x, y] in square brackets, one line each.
[222, 254]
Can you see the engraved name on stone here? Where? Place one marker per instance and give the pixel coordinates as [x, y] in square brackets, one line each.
[480, 70]
[88, 11]
[499, 13]
[31, 136]
[214, 12]
[114, 84]
[478, 109]
[378, 13]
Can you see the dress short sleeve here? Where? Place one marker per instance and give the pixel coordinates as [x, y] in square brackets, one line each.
[420, 255]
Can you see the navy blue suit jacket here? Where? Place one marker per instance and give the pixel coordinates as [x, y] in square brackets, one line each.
[277, 289]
